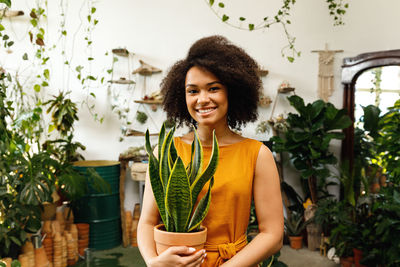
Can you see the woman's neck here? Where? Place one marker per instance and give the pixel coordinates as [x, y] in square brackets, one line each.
[223, 134]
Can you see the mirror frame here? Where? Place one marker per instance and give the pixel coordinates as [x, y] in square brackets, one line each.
[352, 68]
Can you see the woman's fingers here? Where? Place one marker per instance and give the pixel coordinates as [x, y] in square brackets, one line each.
[197, 262]
[181, 250]
[195, 259]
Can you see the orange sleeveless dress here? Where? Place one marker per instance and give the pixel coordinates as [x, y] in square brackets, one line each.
[231, 195]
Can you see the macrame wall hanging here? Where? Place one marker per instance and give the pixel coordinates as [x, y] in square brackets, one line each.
[325, 72]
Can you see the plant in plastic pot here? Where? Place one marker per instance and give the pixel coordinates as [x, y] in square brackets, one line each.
[176, 188]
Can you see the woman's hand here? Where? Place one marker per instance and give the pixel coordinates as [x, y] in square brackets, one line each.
[178, 257]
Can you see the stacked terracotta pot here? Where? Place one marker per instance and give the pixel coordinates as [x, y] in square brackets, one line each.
[28, 254]
[83, 237]
[128, 223]
[47, 242]
[133, 229]
[6, 261]
[57, 250]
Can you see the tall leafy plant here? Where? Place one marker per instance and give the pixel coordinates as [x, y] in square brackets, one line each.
[307, 139]
[176, 187]
[388, 142]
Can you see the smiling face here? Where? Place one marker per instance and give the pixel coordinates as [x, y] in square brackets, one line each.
[206, 98]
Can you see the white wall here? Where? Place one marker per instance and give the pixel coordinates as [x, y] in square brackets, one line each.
[160, 32]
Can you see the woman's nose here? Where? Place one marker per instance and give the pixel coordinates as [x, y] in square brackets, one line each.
[203, 97]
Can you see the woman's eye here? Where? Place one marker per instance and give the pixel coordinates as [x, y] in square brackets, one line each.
[214, 88]
[192, 91]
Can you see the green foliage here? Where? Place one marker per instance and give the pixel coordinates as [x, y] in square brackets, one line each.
[176, 187]
[273, 261]
[388, 142]
[141, 117]
[330, 213]
[6, 2]
[308, 137]
[337, 9]
[63, 113]
[295, 224]
[380, 243]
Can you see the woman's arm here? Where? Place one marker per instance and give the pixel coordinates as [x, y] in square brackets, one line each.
[149, 217]
[269, 210]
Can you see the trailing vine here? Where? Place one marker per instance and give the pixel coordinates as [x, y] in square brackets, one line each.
[337, 8]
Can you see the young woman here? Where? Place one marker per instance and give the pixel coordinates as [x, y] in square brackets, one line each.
[217, 87]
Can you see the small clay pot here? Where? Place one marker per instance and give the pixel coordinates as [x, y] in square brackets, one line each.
[346, 261]
[164, 239]
[296, 242]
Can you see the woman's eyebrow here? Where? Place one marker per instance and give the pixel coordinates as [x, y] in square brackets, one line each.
[208, 84]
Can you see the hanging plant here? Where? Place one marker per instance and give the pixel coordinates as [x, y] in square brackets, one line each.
[141, 117]
[337, 8]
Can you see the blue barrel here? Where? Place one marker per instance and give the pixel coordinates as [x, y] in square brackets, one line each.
[101, 211]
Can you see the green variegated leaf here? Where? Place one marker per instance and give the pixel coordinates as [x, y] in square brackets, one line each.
[172, 155]
[201, 209]
[161, 137]
[197, 160]
[155, 181]
[206, 175]
[165, 169]
[178, 198]
[189, 166]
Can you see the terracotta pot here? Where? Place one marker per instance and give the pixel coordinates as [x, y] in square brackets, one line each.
[357, 257]
[7, 261]
[84, 227]
[41, 257]
[347, 261]
[296, 242]
[164, 239]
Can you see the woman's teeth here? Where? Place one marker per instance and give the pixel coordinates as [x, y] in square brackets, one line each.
[205, 110]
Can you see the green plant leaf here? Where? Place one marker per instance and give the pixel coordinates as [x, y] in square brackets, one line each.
[251, 26]
[161, 137]
[178, 207]
[15, 263]
[211, 2]
[165, 168]
[371, 119]
[155, 181]
[225, 18]
[36, 87]
[297, 102]
[7, 2]
[221, 5]
[209, 171]
[317, 107]
[201, 210]
[197, 161]
[15, 240]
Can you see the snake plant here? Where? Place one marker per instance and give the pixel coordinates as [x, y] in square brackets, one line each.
[176, 187]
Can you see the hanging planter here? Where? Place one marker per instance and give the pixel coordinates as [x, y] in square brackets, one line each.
[141, 117]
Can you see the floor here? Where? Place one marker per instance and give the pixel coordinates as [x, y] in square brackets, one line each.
[130, 257]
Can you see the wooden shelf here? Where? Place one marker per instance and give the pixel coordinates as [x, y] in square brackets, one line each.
[157, 102]
[120, 52]
[263, 72]
[132, 132]
[122, 81]
[285, 90]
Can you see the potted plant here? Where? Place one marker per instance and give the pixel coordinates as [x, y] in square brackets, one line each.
[307, 140]
[294, 226]
[176, 189]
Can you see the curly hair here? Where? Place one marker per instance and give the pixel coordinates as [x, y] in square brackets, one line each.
[231, 65]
